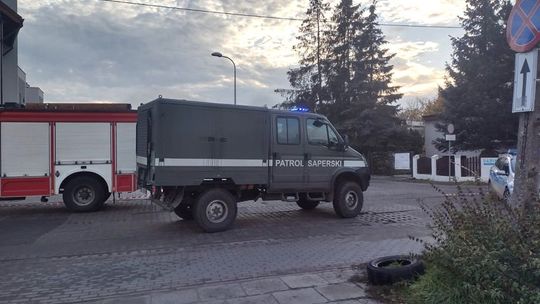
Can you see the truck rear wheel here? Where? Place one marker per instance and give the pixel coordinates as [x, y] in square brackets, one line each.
[215, 210]
[306, 204]
[348, 200]
[84, 194]
[185, 210]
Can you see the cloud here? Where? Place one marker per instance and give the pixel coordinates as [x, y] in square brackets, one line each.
[96, 51]
[442, 12]
[411, 69]
[411, 50]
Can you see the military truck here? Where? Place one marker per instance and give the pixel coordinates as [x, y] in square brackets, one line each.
[200, 159]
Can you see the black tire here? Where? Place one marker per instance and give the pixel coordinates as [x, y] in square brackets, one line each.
[348, 200]
[106, 196]
[84, 194]
[184, 211]
[306, 204]
[215, 210]
[506, 195]
[407, 268]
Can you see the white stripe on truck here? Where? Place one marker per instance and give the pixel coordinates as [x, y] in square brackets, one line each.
[209, 162]
[354, 163]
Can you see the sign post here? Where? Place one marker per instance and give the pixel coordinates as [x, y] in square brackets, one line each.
[450, 137]
[523, 35]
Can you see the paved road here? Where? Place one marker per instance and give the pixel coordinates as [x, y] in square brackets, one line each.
[48, 255]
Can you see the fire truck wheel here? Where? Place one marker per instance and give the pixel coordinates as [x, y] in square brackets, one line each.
[107, 196]
[307, 204]
[84, 194]
[215, 210]
[348, 200]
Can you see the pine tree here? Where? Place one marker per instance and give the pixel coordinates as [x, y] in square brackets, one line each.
[351, 81]
[307, 80]
[478, 92]
[341, 35]
[360, 80]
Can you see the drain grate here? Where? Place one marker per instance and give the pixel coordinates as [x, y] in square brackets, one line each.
[388, 218]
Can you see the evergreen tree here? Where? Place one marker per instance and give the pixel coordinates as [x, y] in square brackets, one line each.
[478, 92]
[345, 74]
[360, 81]
[307, 80]
[346, 23]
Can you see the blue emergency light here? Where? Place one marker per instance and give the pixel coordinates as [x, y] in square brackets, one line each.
[299, 109]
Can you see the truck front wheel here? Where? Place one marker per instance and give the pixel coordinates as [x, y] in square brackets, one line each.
[84, 194]
[215, 210]
[348, 200]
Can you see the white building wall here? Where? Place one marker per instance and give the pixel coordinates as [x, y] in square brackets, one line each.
[431, 134]
[34, 95]
[10, 74]
[21, 86]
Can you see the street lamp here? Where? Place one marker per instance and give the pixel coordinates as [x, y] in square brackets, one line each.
[218, 54]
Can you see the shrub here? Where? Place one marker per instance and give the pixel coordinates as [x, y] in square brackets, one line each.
[483, 251]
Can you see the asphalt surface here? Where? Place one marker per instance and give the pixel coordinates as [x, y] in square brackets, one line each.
[48, 255]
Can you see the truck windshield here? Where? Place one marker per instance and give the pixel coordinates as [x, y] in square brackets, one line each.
[320, 133]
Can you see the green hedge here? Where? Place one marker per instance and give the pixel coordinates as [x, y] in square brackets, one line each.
[484, 251]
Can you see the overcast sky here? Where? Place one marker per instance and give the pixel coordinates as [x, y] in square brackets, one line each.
[88, 50]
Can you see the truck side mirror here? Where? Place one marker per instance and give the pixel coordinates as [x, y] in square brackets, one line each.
[346, 140]
[317, 123]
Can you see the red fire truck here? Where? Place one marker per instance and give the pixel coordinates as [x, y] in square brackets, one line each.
[83, 151]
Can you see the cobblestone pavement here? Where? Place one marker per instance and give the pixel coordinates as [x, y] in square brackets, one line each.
[335, 286]
[48, 255]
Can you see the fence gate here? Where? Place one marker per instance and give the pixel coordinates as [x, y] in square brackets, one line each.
[424, 165]
[442, 166]
[471, 166]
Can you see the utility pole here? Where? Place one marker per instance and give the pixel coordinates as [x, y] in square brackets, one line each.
[319, 82]
[522, 36]
[527, 178]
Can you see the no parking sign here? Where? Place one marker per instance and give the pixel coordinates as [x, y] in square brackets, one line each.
[523, 31]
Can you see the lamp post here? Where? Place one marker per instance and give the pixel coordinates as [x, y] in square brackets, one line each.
[218, 54]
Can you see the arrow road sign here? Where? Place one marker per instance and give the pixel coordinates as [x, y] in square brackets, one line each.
[525, 71]
[525, 81]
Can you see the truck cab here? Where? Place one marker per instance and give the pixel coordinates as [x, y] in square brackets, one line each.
[200, 159]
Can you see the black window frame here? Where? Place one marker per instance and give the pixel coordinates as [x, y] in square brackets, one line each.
[286, 118]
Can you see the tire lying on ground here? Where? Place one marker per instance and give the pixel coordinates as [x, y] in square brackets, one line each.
[392, 269]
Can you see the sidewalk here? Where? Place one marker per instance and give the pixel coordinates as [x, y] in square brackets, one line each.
[334, 286]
